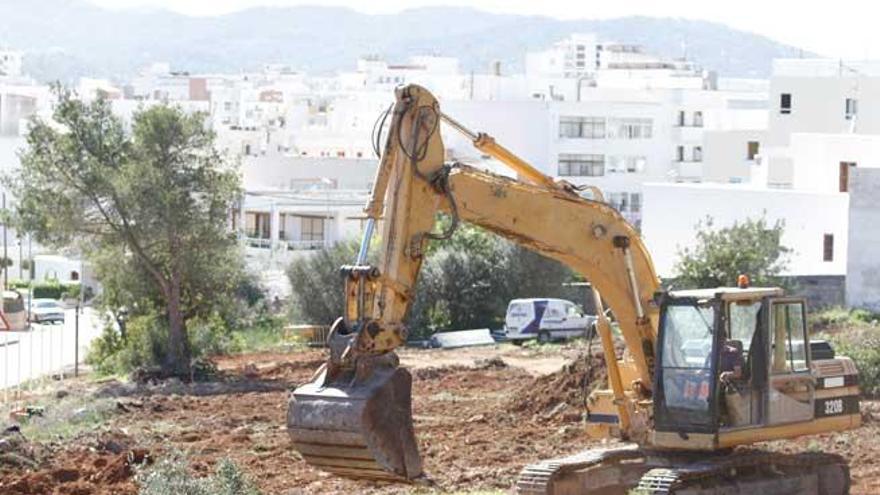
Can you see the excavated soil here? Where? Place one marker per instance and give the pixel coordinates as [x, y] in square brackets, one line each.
[478, 423]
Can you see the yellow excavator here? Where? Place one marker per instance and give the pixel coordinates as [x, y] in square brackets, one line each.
[705, 373]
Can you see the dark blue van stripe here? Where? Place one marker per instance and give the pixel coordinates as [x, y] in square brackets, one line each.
[534, 325]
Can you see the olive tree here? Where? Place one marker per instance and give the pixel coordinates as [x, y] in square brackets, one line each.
[156, 197]
[752, 247]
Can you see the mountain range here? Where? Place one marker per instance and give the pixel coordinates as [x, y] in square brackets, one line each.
[64, 39]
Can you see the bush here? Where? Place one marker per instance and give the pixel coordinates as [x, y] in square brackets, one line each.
[837, 318]
[171, 476]
[103, 354]
[465, 282]
[49, 289]
[145, 342]
[863, 346]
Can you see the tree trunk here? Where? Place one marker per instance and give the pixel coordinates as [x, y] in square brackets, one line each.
[178, 359]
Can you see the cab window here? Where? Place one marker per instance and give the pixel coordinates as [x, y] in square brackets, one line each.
[743, 322]
[787, 340]
[572, 311]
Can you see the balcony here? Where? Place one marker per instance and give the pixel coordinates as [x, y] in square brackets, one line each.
[287, 245]
[301, 245]
[687, 171]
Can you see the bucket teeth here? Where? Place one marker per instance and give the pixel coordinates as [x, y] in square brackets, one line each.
[358, 428]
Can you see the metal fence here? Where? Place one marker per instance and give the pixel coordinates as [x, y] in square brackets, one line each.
[31, 359]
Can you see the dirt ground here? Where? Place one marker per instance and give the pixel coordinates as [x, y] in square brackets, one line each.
[479, 420]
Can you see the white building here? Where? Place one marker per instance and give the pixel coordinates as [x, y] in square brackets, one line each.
[10, 63]
[815, 228]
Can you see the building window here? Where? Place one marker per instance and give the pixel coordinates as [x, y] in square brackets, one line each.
[312, 229]
[843, 180]
[581, 165]
[752, 150]
[785, 103]
[625, 164]
[698, 119]
[681, 118]
[625, 202]
[851, 108]
[828, 247]
[679, 153]
[582, 127]
[635, 202]
[630, 128]
[256, 225]
[618, 201]
[698, 153]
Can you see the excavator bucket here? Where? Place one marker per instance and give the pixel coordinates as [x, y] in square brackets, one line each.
[357, 424]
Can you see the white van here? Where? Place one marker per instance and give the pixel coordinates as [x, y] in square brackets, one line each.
[545, 319]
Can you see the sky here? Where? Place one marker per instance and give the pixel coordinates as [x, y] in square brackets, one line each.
[842, 29]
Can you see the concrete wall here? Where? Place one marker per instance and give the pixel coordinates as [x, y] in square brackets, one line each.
[863, 263]
[816, 158]
[672, 211]
[279, 172]
[818, 104]
[821, 291]
[726, 155]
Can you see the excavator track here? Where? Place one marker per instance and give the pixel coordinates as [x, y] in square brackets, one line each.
[627, 469]
[554, 476]
[751, 472]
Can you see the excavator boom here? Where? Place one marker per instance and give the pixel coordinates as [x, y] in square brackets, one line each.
[354, 418]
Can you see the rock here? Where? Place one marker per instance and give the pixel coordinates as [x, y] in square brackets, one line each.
[251, 371]
[490, 363]
[60, 394]
[558, 408]
[479, 418]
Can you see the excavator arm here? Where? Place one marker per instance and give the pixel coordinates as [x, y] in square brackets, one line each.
[354, 418]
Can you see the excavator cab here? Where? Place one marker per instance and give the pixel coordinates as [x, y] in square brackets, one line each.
[737, 361]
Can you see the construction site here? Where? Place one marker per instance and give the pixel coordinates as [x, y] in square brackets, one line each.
[610, 272]
[481, 414]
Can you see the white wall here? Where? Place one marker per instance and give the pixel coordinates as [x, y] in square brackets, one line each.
[816, 158]
[726, 155]
[672, 211]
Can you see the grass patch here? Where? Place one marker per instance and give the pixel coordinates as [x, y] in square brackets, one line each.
[171, 475]
[68, 417]
[262, 339]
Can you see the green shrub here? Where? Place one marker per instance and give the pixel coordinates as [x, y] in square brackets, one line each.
[863, 346]
[839, 318]
[171, 476]
[103, 354]
[51, 289]
[145, 343]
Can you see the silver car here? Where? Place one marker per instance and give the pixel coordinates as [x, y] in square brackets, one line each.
[46, 311]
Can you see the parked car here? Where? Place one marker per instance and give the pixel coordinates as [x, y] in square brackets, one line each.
[14, 311]
[545, 319]
[46, 311]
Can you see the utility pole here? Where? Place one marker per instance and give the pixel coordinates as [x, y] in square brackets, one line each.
[79, 304]
[76, 339]
[5, 254]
